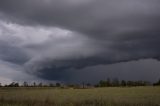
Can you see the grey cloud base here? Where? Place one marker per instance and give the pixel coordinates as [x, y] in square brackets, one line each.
[102, 32]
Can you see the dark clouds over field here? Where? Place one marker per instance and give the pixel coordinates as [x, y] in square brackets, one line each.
[65, 39]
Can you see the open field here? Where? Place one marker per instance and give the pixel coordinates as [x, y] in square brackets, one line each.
[133, 96]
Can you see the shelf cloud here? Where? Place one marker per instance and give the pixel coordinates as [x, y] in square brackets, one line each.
[51, 38]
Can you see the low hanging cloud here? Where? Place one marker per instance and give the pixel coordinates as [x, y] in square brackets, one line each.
[49, 38]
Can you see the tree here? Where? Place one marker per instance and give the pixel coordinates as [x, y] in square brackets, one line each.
[129, 83]
[83, 85]
[157, 83]
[13, 84]
[115, 82]
[51, 85]
[88, 84]
[58, 84]
[102, 83]
[25, 84]
[0, 85]
[34, 84]
[16, 85]
[40, 84]
[109, 82]
[123, 83]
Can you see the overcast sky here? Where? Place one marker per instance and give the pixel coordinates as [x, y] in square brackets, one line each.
[79, 40]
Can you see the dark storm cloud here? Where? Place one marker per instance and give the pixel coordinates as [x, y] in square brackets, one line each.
[12, 54]
[95, 18]
[118, 31]
[147, 70]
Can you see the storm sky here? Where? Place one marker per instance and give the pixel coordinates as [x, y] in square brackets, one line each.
[79, 40]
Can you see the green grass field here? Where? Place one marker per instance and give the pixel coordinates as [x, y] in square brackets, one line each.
[133, 96]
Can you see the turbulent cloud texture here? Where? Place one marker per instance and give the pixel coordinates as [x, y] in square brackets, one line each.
[51, 38]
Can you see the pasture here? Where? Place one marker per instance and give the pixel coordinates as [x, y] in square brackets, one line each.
[111, 96]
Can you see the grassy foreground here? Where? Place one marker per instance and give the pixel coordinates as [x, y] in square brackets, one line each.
[134, 96]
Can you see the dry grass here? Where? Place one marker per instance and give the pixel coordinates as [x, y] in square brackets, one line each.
[134, 96]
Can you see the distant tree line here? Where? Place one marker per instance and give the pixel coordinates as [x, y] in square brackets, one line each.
[34, 84]
[101, 83]
[157, 83]
[122, 83]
